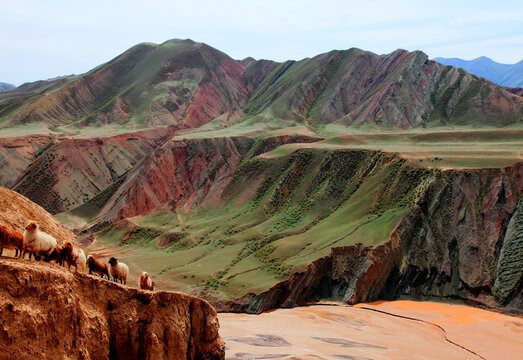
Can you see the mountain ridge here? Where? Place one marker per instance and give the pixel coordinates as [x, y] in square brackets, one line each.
[6, 86]
[188, 84]
[510, 75]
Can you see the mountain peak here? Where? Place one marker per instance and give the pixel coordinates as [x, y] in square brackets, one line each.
[510, 75]
[178, 41]
[6, 86]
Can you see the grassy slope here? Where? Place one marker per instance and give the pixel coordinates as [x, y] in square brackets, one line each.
[462, 147]
[305, 203]
[278, 218]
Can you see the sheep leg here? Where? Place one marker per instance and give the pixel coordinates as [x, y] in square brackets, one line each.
[1, 250]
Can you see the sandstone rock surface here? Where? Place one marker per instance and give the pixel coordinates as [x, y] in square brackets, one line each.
[47, 312]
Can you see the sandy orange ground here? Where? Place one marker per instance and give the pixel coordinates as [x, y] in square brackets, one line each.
[355, 333]
[489, 334]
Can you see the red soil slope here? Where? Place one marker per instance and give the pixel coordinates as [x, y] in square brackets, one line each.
[17, 210]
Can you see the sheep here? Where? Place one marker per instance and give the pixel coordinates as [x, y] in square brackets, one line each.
[38, 242]
[11, 239]
[74, 257]
[80, 260]
[97, 267]
[57, 255]
[145, 282]
[118, 270]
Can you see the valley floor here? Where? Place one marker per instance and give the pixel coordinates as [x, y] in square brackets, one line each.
[380, 330]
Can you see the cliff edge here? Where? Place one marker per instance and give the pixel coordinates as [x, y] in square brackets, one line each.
[48, 312]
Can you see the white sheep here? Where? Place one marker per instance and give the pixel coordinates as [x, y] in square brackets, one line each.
[118, 270]
[74, 256]
[80, 260]
[37, 242]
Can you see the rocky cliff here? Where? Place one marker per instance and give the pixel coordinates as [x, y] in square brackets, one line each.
[186, 173]
[142, 170]
[455, 249]
[47, 312]
[65, 173]
[182, 172]
[17, 153]
[461, 240]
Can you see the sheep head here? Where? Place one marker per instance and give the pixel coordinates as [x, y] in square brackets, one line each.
[68, 247]
[113, 261]
[31, 226]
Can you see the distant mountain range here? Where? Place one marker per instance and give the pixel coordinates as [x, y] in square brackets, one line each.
[6, 86]
[187, 84]
[510, 75]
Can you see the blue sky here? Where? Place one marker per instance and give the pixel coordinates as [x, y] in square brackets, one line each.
[44, 39]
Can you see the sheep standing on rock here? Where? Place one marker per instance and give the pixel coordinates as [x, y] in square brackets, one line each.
[97, 267]
[118, 270]
[38, 242]
[74, 257]
[145, 282]
[56, 255]
[11, 239]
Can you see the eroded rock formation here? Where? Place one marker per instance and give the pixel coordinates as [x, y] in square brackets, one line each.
[461, 240]
[47, 312]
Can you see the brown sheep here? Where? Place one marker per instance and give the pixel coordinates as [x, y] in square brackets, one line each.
[11, 239]
[145, 282]
[56, 255]
[73, 257]
[97, 267]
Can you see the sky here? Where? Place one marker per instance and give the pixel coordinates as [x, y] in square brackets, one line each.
[44, 39]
